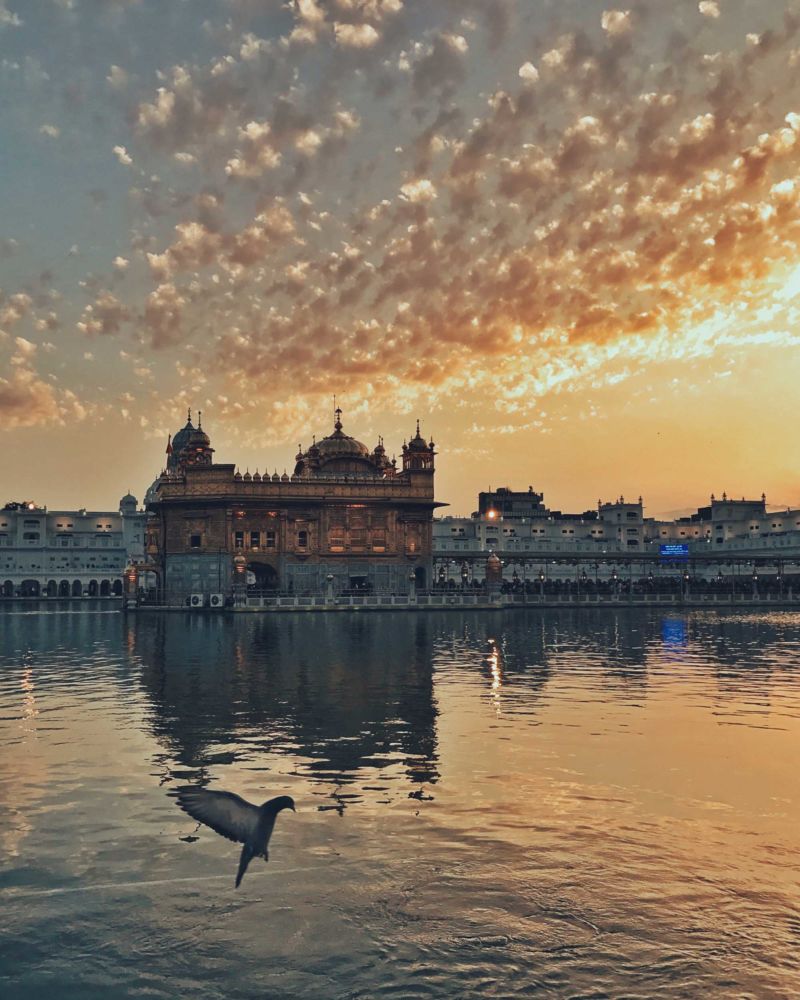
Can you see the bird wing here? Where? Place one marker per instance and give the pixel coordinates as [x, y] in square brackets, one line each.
[224, 812]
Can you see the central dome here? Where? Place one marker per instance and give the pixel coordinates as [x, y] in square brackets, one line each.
[341, 445]
[338, 454]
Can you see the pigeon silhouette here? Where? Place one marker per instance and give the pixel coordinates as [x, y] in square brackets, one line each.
[236, 819]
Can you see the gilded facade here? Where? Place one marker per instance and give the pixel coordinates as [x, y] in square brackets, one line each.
[347, 518]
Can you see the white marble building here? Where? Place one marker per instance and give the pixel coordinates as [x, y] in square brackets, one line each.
[75, 553]
[613, 532]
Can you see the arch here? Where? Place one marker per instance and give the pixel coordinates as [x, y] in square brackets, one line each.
[77, 588]
[105, 588]
[93, 588]
[63, 588]
[8, 588]
[266, 576]
[52, 588]
[30, 588]
[116, 588]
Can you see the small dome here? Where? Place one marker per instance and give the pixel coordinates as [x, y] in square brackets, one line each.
[181, 439]
[256, 477]
[418, 442]
[247, 477]
[197, 439]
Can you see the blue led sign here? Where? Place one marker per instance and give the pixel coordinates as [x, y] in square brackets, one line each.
[675, 551]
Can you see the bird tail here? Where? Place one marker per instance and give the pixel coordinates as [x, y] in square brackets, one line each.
[245, 859]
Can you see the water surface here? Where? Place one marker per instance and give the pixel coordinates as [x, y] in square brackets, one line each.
[547, 803]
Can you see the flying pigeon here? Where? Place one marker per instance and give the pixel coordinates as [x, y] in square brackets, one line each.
[236, 819]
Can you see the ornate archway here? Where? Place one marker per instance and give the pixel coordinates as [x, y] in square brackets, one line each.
[264, 576]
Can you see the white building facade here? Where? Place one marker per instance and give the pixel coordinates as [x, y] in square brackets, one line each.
[615, 533]
[77, 553]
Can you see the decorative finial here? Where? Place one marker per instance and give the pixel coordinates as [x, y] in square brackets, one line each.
[337, 416]
[417, 427]
[199, 420]
[189, 415]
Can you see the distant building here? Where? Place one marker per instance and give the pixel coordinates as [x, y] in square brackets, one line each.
[522, 529]
[346, 518]
[73, 553]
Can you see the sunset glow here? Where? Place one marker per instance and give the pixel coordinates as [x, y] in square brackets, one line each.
[564, 236]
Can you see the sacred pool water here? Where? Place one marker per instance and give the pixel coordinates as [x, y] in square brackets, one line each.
[537, 803]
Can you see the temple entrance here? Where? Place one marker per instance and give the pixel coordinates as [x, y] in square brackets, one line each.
[264, 577]
[419, 577]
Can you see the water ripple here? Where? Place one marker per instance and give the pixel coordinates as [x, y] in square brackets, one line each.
[566, 803]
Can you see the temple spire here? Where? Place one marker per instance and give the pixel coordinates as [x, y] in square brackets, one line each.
[337, 416]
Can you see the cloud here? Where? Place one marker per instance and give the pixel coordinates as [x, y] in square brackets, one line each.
[616, 22]
[123, 156]
[472, 196]
[441, 64]
[104, 317]
[256, 154]
[117, 78]
[356, 36]
[163, 315]
[420, 190]
[8, 19]
[26, 400]
[709, 8]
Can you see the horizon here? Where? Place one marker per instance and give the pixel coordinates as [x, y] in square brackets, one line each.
[576, 507]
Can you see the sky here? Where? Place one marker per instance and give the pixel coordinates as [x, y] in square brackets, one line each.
[563, 235]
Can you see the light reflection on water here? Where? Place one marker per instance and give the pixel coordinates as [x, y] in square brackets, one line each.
[558, 803]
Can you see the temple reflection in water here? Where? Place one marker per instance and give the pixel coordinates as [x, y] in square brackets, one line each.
[336, 695]
[353, 700]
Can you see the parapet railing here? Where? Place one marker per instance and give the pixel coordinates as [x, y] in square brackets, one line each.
[444, 599]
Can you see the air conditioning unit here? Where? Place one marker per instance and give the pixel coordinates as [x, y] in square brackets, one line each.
[196, 601]
[217, 600]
